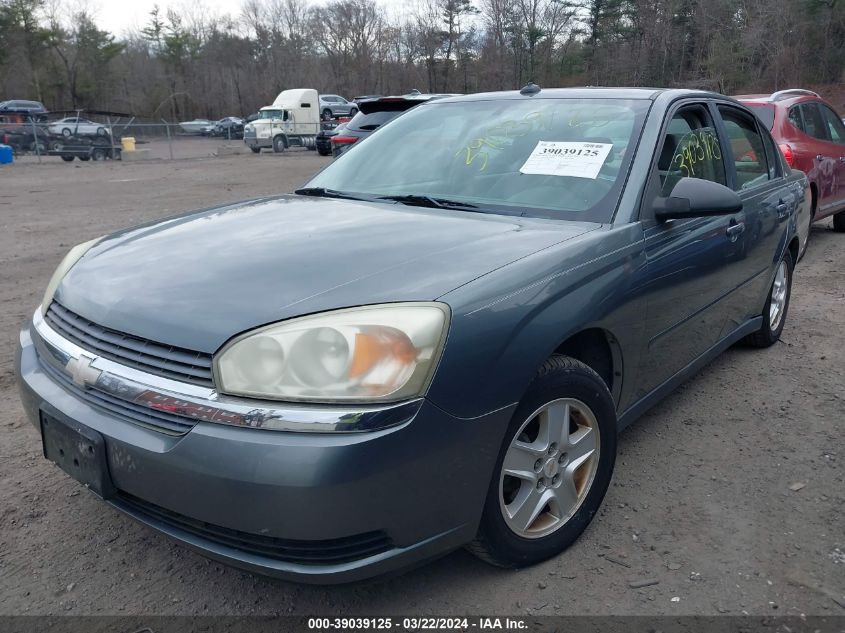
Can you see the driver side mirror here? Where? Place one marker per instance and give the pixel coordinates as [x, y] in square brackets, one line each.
[694, 197]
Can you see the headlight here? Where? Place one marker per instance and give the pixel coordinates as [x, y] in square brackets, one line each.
[73, 256]
[383, 353]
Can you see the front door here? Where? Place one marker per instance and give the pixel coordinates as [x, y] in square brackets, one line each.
[690, 261]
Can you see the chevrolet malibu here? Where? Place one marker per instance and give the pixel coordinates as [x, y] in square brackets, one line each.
[432, 344]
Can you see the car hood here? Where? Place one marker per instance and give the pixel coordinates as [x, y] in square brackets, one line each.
[196, 280]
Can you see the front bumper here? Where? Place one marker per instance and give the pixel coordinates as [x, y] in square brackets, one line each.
[252, 141]
[420, 484]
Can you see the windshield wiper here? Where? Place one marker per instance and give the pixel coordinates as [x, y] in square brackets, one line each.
[322, 192]
[429, 201]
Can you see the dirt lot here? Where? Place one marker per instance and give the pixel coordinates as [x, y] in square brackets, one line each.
[701, 500]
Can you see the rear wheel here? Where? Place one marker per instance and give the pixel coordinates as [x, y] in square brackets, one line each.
[327, 115]
[99, 153]
[839, 222]
[85, 158]
[66, 132]
[353, 112]
[553, 469]
[777, 305]
[67, 158]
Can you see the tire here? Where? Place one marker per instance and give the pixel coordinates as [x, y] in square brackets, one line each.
[101, 131]
[279, 144]
[67, 132]
[98, 153]
[85, 158]
[353, 112]
[255, 150]
[839, 222]
[67, 158]
[327, 115]
[562, 384]
[323, 152]
[774, 321]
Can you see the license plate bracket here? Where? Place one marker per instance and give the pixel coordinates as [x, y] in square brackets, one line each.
[79, 451]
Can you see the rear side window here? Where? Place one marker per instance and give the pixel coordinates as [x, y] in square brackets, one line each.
[795, 118]
[813, 123]
[766, 114]
[835, 127]
[369, 122]
[748, 153]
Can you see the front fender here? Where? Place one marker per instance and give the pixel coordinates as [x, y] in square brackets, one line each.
[507, 323]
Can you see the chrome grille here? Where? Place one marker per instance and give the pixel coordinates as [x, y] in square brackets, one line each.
[162, 421]
[168, 361]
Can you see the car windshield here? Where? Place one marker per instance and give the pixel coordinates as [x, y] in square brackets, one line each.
[563, 158]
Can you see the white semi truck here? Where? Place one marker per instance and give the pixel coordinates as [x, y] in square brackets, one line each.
[292, 121]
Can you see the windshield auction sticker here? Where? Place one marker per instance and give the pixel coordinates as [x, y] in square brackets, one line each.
[567, 158]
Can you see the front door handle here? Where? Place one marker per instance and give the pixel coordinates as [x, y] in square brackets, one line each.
[783, 210]
[820, 157]
[735, 230]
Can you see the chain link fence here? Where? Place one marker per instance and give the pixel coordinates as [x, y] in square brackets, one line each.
[106, 138]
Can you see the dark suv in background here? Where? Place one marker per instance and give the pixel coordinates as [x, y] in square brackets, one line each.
[373, 114]
[811, 136]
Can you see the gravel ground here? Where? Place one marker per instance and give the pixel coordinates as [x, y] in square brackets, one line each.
[729, 494]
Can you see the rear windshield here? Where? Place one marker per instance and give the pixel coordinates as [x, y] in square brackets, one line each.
[369, 122]
[766, 113]
[561, 158]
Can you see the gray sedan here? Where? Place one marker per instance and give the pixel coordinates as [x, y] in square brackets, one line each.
[432, 344]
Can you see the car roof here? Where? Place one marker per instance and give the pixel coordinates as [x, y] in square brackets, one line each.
[788, 96]
[588, 92]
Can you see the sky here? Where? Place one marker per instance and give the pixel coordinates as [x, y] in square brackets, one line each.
[118, 16]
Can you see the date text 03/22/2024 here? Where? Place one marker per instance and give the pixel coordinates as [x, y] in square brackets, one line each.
[417, 624]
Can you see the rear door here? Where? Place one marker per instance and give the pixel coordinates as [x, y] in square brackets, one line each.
[691, 262]
[756, 173]
[824, 154]
[836, 136]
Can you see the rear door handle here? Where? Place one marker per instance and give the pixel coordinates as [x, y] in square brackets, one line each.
[820, 157]
[783, 210]
[735, 230]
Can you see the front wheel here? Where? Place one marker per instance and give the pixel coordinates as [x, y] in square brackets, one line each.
[279, 144]
[553, 469]
[777, 304]
[353, 112]
[327, 115]
[255, 150]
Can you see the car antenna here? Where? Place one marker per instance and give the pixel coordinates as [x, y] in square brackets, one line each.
[531, 89]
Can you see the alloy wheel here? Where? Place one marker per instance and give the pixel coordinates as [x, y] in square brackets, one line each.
[778, 300]
[549, 468]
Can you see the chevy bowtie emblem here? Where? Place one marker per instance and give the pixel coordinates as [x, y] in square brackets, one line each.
[81, 371]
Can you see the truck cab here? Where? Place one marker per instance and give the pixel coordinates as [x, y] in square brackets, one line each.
[292, 120]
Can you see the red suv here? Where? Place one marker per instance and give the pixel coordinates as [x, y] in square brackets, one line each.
[811, 136]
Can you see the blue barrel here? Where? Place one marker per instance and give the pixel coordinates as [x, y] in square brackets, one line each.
[6, 155]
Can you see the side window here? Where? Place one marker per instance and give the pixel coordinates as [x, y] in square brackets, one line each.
[747, 151]
[835, 127]
[813, 123]
[795, 118]
[772, 156]
[690, 149]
